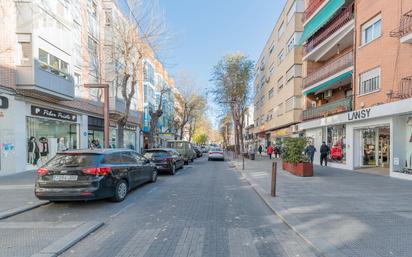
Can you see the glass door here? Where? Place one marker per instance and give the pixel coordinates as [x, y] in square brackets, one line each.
[369, 147]
[384, 147]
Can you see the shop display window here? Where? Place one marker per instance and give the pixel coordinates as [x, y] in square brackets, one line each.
[336, 140]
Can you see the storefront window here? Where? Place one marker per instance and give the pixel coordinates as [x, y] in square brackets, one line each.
[130, 139]
[336, 140]
[113, 137]
[47, 137]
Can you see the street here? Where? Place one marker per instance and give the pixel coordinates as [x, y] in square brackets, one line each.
[204, 210]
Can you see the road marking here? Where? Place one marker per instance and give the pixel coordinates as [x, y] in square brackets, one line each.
[152, 190]
[38, 225]
[16, 187]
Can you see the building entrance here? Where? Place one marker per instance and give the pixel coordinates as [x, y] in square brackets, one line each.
[375, 146]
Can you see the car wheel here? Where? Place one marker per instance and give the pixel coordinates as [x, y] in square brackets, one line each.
[154, 176]
[208, 159]
[186, 163]
[120, 191]
[173, 169]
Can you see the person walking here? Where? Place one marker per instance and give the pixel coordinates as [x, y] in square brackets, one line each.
[270, 151]
[260, 149]
[310, 151]
[324, 151]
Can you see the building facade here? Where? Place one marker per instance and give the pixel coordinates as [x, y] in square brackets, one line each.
[278, 82]
[374, 130]
[51, 50]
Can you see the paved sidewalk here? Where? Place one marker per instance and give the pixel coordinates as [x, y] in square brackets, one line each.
[17, 193]
[342, 213]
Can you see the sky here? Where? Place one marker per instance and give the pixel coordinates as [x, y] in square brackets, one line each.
[203, 31]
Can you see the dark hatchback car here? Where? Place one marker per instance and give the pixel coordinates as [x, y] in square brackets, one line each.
[165, 159]
[93, 174]
[198, 152]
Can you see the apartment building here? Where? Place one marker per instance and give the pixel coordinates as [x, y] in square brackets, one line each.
[48, 51]
[278, 83]
[376, 132]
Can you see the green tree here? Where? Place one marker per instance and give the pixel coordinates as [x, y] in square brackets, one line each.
[232, 77]
[200, 139]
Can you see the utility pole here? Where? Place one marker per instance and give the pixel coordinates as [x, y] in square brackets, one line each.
[105, 88]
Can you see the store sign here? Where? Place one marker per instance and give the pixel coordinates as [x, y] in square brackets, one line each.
[281, 132]
[130, 127]
[4, 102]
[54, 114]
[359, 115]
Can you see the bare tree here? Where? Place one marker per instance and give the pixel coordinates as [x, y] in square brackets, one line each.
[155, 115]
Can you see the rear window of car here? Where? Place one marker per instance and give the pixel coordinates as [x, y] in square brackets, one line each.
[74, 160]
[178, 145]
[156, 154]
[215, 150]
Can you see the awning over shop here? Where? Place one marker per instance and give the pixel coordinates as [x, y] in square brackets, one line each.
[329, 82]
[320, 19]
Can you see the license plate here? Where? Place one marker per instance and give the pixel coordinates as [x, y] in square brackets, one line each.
[64, 177]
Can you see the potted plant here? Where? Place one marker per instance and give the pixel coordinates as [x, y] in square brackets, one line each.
[294, 159]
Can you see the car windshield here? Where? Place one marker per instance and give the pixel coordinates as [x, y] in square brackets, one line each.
[178, 145]
[156, 154]
[74, 160]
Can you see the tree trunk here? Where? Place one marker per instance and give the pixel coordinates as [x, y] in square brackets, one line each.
[120, 136]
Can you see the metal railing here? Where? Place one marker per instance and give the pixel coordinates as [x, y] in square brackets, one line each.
[336, 23]
[338, 106]
[312, 7]
[329, 68]
[404, 90]
[405, 26]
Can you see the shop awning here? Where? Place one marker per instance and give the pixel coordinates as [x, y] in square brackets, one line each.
[327, 83]
[320, 19]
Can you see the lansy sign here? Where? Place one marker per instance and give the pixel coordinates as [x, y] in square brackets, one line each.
[359, 115]
[49, 113]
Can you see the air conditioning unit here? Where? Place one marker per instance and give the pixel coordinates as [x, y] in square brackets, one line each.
[295, 129]
[327, 94]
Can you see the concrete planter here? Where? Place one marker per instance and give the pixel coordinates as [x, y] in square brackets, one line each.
[299, 169]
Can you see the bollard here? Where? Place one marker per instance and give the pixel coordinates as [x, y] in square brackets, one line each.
[243, 162]
[273, 187]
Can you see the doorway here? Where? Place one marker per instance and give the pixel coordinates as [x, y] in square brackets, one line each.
[375, 147]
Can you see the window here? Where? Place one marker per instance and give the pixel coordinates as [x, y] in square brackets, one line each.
[369, 81]
[262, 100]
[24, 53]
[297, 6]
[279, 110]
[272, 47]
[280, 82]
[269, 115]
[336, 140]
[294, 71]
[281, 29]
[127, 157]
[281, 56]
[51, 63]
[371, 30]
[292, 103]
[272, 68]
[271, 93]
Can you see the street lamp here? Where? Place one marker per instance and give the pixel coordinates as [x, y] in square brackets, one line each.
[105, 88]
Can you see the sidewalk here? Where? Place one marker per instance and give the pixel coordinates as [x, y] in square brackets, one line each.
[17, 193]
[340, 212]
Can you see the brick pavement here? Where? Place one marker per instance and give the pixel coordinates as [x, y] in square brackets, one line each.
[203, 211]
[344, 213]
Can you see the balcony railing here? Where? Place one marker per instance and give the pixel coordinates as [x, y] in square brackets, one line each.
[404, 90]
[312, 7]
[330, 68]
[405, 26]
[337, 22]
[338, 106]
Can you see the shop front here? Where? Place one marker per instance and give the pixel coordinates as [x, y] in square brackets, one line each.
[49, 131]
[376, 140]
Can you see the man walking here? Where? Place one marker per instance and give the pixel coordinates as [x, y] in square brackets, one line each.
[260, 149]
[270, 151]
[324, 152]
[310, 151]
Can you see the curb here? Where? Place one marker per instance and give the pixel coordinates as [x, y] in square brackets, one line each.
[61, 245]
[18, 210]
[291, 222]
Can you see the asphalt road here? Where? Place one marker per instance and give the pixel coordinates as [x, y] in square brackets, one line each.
[204, 210]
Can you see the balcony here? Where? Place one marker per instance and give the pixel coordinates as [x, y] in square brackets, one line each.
[404, 31]
[335, 66]
[338, 106]
[312, 7]
[335, 35]
[40, 80]
[404, 90]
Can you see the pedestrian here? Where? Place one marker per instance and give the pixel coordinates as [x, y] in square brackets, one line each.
[260, 149]
[324, 152]
[276, 151]
[270, 151]
[310, 151]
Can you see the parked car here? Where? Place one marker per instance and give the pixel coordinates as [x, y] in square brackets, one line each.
[204, 149]
[93, 174]
[165, 159]
[198, 152]
[216, 154]
[184, 148]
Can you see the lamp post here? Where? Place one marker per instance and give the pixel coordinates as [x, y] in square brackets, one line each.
[105, 88]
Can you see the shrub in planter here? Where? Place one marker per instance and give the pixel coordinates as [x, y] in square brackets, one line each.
[294, 159]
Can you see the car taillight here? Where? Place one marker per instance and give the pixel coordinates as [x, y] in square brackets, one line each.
[42, 171]
[101, 171]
